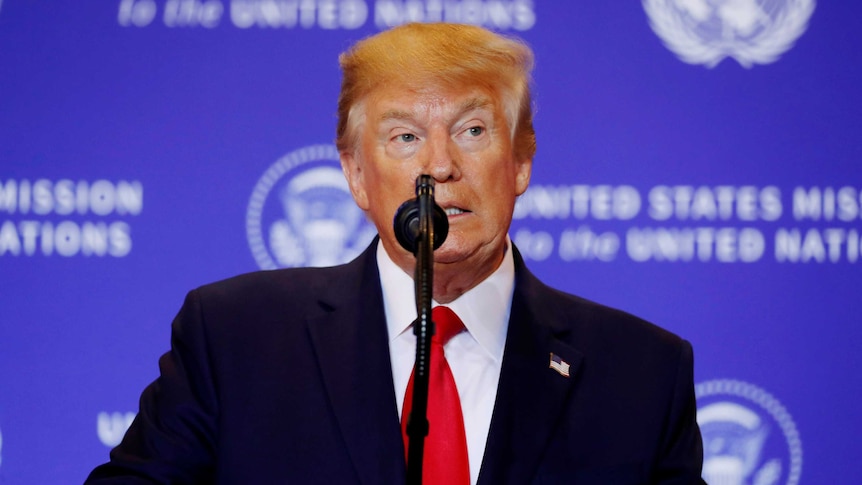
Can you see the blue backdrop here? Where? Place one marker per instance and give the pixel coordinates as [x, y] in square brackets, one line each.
[698, 165]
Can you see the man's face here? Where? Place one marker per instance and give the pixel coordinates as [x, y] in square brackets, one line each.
[462, 139]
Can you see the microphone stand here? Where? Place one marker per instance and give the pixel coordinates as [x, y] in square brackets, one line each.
[423, 328]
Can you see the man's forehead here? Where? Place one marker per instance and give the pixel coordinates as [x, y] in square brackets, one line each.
[410, 104]
[419, 108]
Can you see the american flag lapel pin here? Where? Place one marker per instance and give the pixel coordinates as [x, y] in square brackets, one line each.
[559, 365]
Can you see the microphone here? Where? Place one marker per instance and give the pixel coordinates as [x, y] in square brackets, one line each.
[421, 227]
[407, 221]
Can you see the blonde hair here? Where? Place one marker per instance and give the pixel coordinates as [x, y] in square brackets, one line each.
[441, 54]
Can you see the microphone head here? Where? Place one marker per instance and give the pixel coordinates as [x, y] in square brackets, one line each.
[406, 225]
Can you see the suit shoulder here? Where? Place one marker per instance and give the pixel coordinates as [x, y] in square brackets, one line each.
[279, 280]
[583, 319]
[288, 289]
[587, 318]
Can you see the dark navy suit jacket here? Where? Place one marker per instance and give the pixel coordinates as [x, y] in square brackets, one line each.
[284, 377]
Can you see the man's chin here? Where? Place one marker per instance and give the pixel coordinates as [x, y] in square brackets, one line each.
[454, 252]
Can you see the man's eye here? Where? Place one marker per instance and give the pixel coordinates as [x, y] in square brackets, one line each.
[406, 137]
[476, 130]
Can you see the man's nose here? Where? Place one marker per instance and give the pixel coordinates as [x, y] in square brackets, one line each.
[442, 162]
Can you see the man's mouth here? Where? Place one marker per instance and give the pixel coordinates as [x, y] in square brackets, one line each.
[454, 211]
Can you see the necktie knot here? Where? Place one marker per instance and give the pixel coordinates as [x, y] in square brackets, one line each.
[447, 322]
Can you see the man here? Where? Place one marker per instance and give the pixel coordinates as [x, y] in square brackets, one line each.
[298, 376]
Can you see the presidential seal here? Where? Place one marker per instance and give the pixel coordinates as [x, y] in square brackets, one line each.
[750, 31]
[301, 213]
[749, 438]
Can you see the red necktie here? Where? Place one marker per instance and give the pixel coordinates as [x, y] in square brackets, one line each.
[445, 461]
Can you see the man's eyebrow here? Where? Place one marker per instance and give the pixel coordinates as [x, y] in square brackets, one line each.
[396, 114]
[474, 104]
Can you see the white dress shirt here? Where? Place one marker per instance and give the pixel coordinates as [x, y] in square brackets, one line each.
[475, 356]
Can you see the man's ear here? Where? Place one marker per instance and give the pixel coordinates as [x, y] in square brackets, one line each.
[523, 170]
[352, 168]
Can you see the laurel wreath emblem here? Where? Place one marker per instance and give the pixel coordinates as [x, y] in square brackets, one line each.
[770, 472]
[776, 36]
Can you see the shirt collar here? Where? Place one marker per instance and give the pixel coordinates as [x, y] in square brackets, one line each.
[484, 309]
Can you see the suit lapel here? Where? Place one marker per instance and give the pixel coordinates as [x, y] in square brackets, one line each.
[531, 395]
[351, 345]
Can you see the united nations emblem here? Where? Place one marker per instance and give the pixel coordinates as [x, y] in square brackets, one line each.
[749, 438]
[750, 31]
[301, 213]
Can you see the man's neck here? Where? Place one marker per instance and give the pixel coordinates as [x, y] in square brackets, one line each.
[451, 280]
